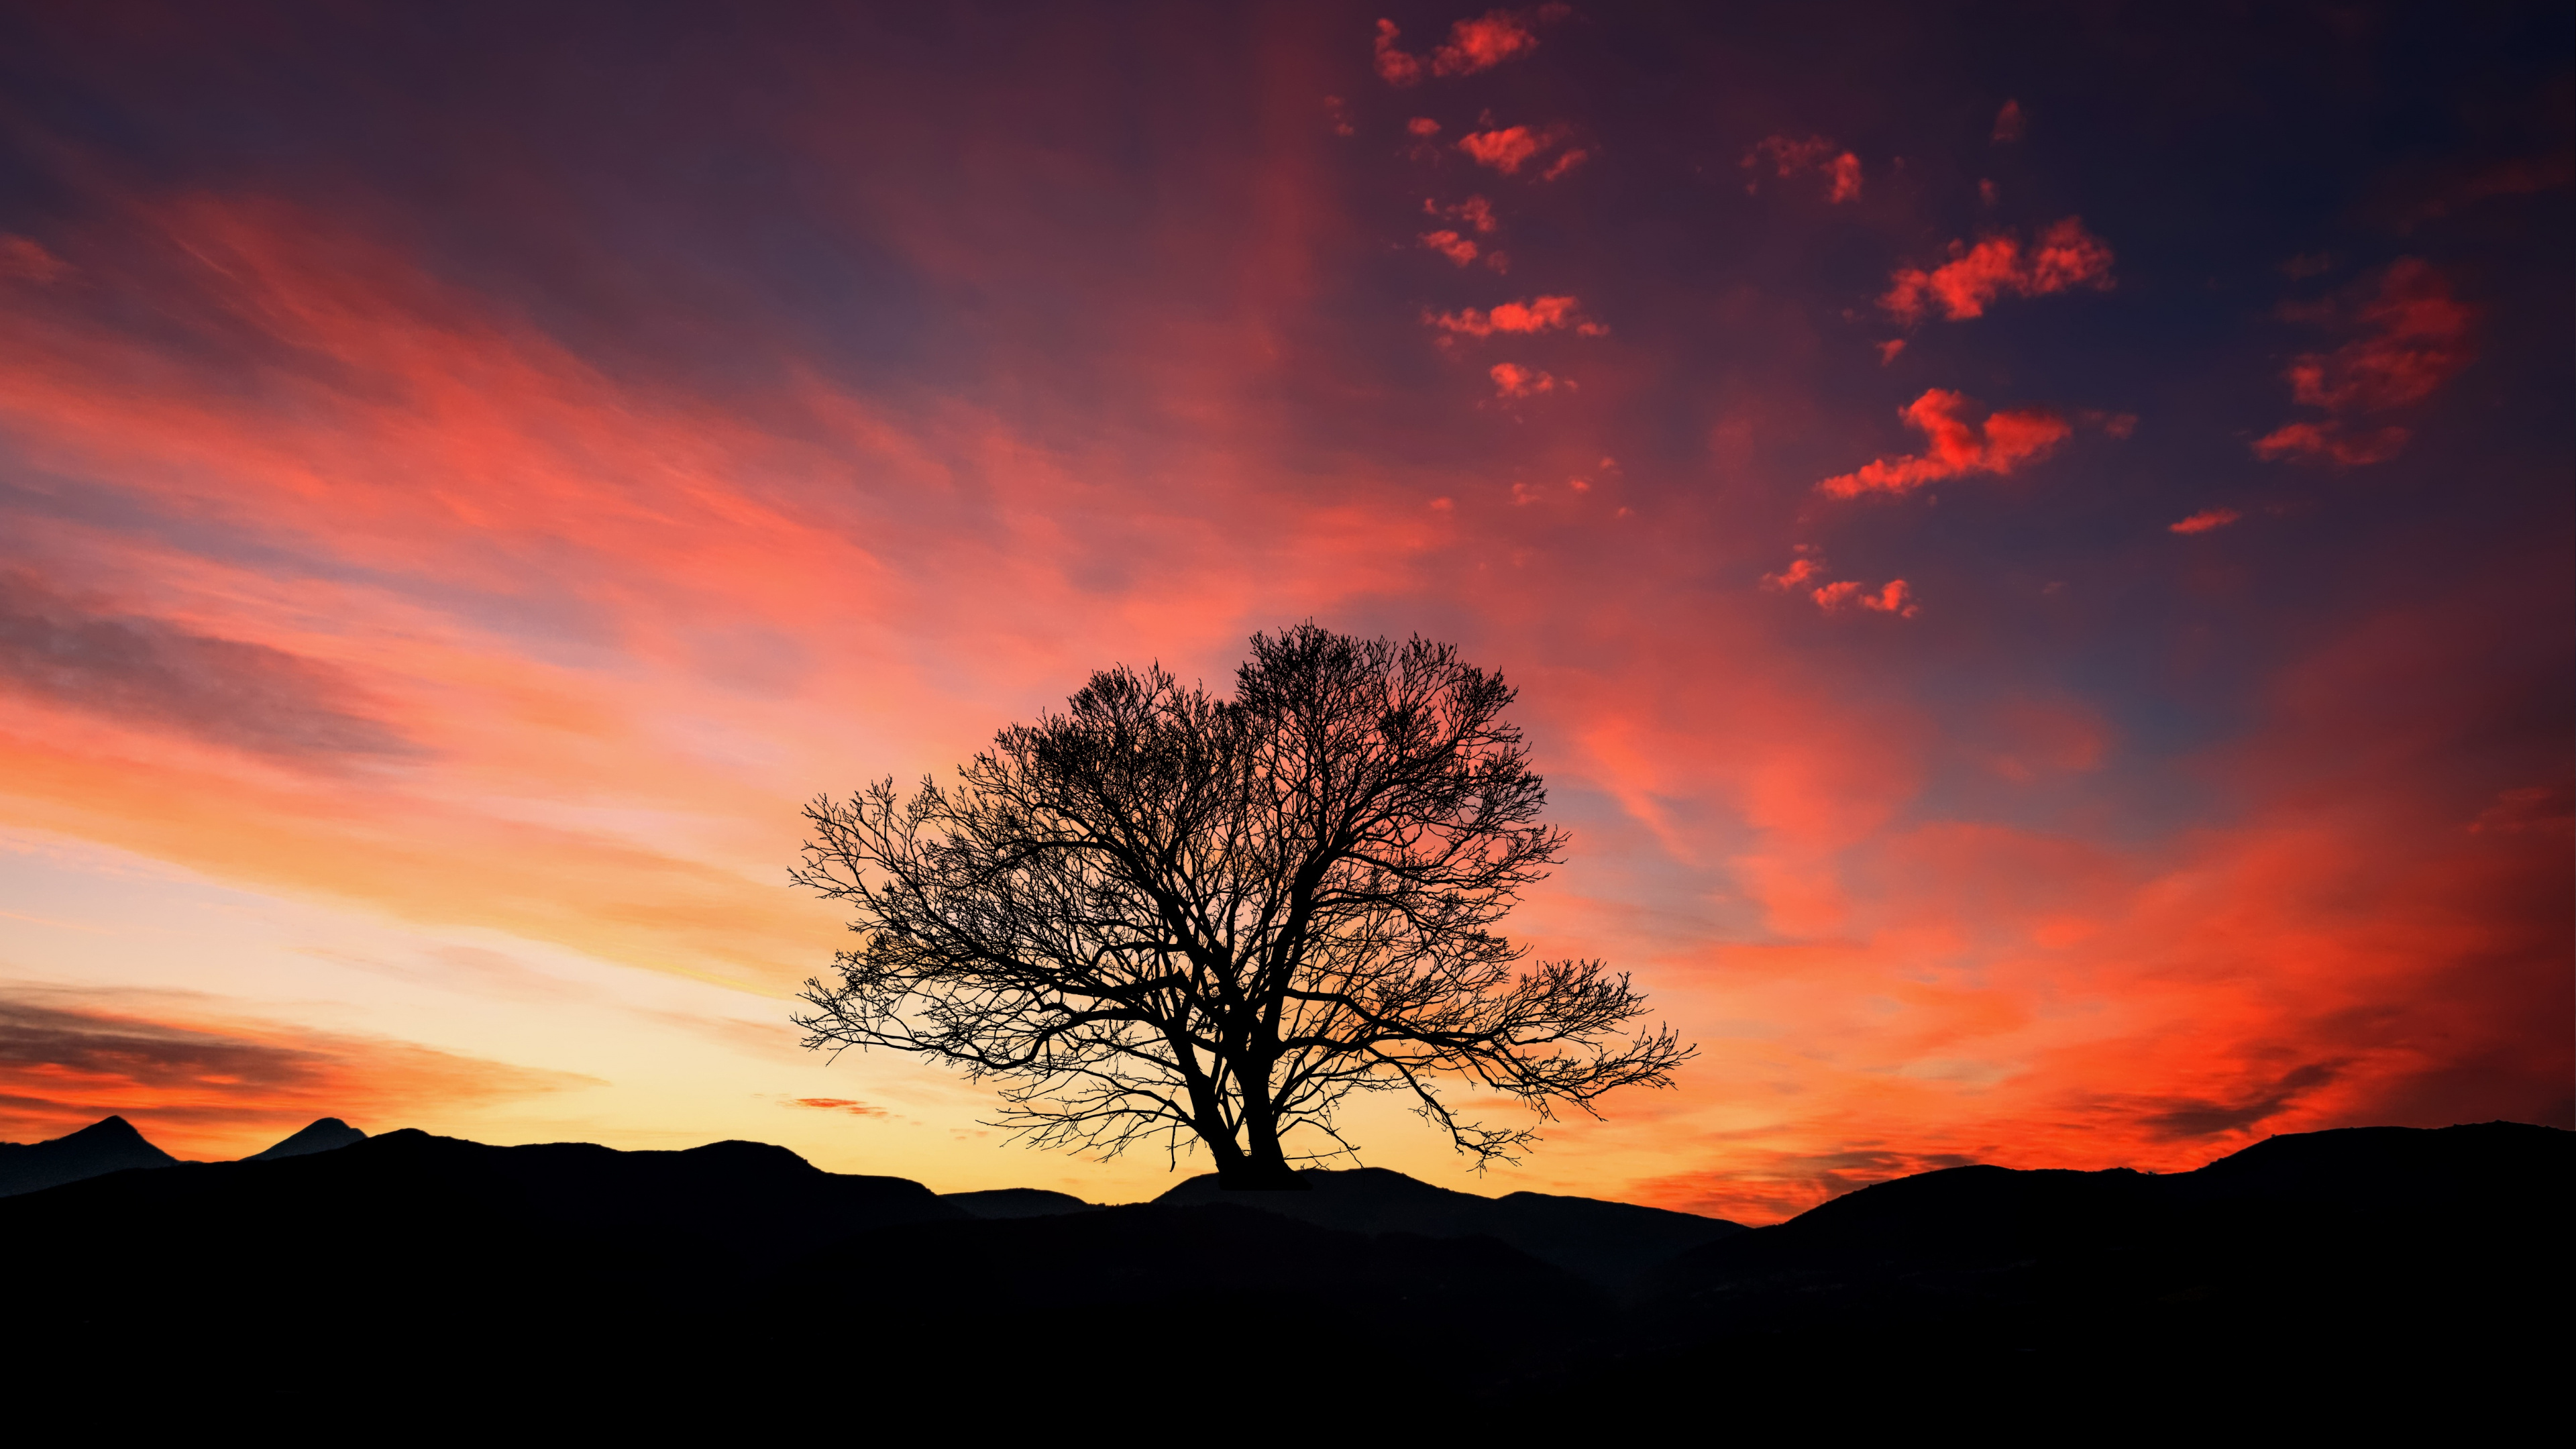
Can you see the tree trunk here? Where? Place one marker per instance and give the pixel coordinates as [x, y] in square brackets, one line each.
[1263, 1166]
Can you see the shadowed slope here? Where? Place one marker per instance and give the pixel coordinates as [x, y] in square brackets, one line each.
[108, 1145]
[324, 1135]
[1607, 1243]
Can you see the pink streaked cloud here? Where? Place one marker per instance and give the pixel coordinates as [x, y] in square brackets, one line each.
[2205, 520]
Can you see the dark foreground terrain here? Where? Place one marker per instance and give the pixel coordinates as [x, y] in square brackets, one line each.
[2360, 1276]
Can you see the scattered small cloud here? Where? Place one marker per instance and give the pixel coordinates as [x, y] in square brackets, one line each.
[2205, 520]
[1479, 44]
[1422, 126]
[1513, 380]
[1451, 245]
[1893, 597]
[2528, 808]
[1540, 314]
[1565, 161]
[2008, 122]
[837, 1104]
[1508, 148]
[1791, 157]
[1798, 571]
[1889, 350]
[1985, 193]
[2415, 337]
[1960, 444]
[1338, 111]
[2064, 257]
[1474, 213]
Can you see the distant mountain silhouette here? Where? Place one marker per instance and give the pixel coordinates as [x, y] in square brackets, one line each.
[108, 1145]
[323, 1135]
[1606, 1243]
[1018, 1202]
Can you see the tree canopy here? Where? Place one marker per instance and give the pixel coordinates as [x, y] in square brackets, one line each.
[1161, 915]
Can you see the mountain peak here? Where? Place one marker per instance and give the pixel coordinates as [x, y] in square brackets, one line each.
[109, 1144]
[324, 1134]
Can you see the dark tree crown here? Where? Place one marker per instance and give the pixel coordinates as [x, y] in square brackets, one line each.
[1162, 915]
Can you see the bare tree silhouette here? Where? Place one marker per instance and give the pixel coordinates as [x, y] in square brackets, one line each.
[1164, 916]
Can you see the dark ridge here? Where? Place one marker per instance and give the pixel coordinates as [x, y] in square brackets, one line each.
[1018, 1202]
[1605, 1243]
[324, 1135]
[108, 1145]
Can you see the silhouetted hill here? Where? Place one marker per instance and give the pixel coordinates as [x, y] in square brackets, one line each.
[1018, 1202]
[2350, 1269]
[1606, 1243]
[2342, 1260]
[323, 1135]
[108, 1145]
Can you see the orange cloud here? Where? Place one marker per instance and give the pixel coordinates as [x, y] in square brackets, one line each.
[2064, 257]
[1540, 314]
[1791, 157]
[1451, 245]
[1894, 597]
[1513, 380]
[221, 1087]
[1959, 445]
[2417, 339]
[2205, 520]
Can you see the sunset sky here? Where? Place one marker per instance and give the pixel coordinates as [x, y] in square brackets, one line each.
[2036, 543]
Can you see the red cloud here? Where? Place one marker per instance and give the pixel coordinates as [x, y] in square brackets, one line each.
[1513, 380]
[2419, 339]
[1394, 66]
[1508, 148]
[1799, 570]
[839, 1104]
[2003, 442]
[1564, 163]
[1541, 314]
[2066, 256]
[1451, 245]
[1795, 158]
[1422, 126]
[1473, 45]
[2205, 520]
[2008, 122]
